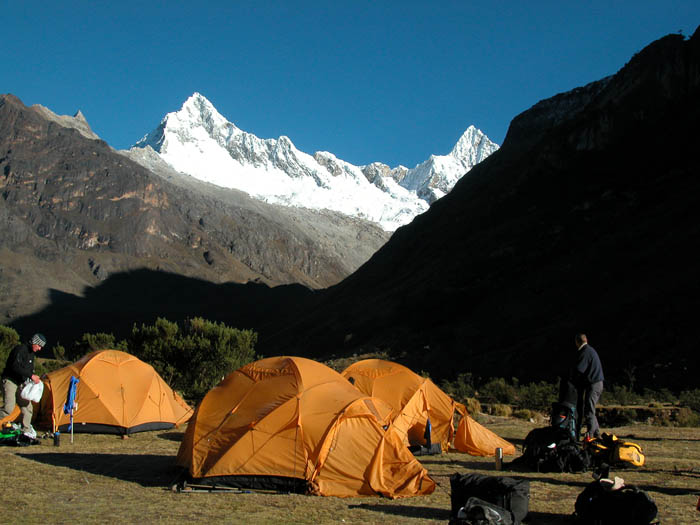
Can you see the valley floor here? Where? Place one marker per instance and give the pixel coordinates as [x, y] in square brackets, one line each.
[99, 479]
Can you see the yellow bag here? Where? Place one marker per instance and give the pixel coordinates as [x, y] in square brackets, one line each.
[610, 449]
[626, 452]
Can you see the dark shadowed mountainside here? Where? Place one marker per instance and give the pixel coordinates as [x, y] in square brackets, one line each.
[587, 219]
[74, 213]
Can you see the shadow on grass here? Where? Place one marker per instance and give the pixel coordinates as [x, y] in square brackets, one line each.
[517, 441]
[408, 511]
[547, 518]
[172, 436]
[690, 473]
[550, 481]
[148, 470]
[470, 465]
[641, 438]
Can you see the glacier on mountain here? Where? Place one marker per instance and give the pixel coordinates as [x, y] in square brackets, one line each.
[197, 140]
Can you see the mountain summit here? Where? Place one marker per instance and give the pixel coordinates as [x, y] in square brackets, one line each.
[199, 141]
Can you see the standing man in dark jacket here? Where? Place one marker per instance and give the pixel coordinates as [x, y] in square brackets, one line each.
[587, 375]
[18, 369]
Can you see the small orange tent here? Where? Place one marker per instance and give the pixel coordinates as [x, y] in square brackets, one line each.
[414, 399]
[117, 394]
[294, 424]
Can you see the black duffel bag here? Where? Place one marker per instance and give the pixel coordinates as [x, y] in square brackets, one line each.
[510, 493]
[598, 505]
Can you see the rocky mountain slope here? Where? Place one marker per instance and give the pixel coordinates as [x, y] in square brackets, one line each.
[586, 220]
[197, 140]
[74, 212]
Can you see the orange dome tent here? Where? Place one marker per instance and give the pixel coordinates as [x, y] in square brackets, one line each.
[117, 394]
[294, 424]
[414, 399]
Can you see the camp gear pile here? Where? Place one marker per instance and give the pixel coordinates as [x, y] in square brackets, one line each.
[13, 436]
[508, 493]
[604, 503]
[551, 449]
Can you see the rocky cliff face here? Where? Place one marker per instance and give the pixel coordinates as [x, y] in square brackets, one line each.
[73, 212]
[584, 220]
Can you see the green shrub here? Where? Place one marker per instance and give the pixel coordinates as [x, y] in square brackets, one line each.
[537, 396]
[659, 396]
[91, 342]
[688, 418]
[619, 395]
[473, 406]
[9, 338]
[500, 409]
[59, 352]
[44, 366]
[662, 419]
[690, 399]
[196, 357]
[499, 391]
[461, 388]
[617, 417]
[524, 413]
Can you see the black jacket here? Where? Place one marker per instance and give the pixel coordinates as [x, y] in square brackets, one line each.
[20, 364]
[587, 369]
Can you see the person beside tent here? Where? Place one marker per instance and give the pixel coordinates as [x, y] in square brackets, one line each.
[587, 376]
[19, 368]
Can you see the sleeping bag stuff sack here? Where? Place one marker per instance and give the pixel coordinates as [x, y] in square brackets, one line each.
[630, 505]
[510, 493]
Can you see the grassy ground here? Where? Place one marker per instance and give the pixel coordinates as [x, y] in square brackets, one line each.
[103, 478]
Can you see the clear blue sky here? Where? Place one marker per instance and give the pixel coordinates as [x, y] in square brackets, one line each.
[389, 81]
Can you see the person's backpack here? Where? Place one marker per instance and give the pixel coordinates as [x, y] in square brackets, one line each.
[551, 449]
[479, 512]
[598, 505]
[508, 493]
[563, 415]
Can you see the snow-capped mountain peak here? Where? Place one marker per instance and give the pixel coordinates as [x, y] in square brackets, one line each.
[199, 141]
[437, 176]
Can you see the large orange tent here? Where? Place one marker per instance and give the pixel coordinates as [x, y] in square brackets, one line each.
[117, 393]
[414, 399]
[293, 424]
